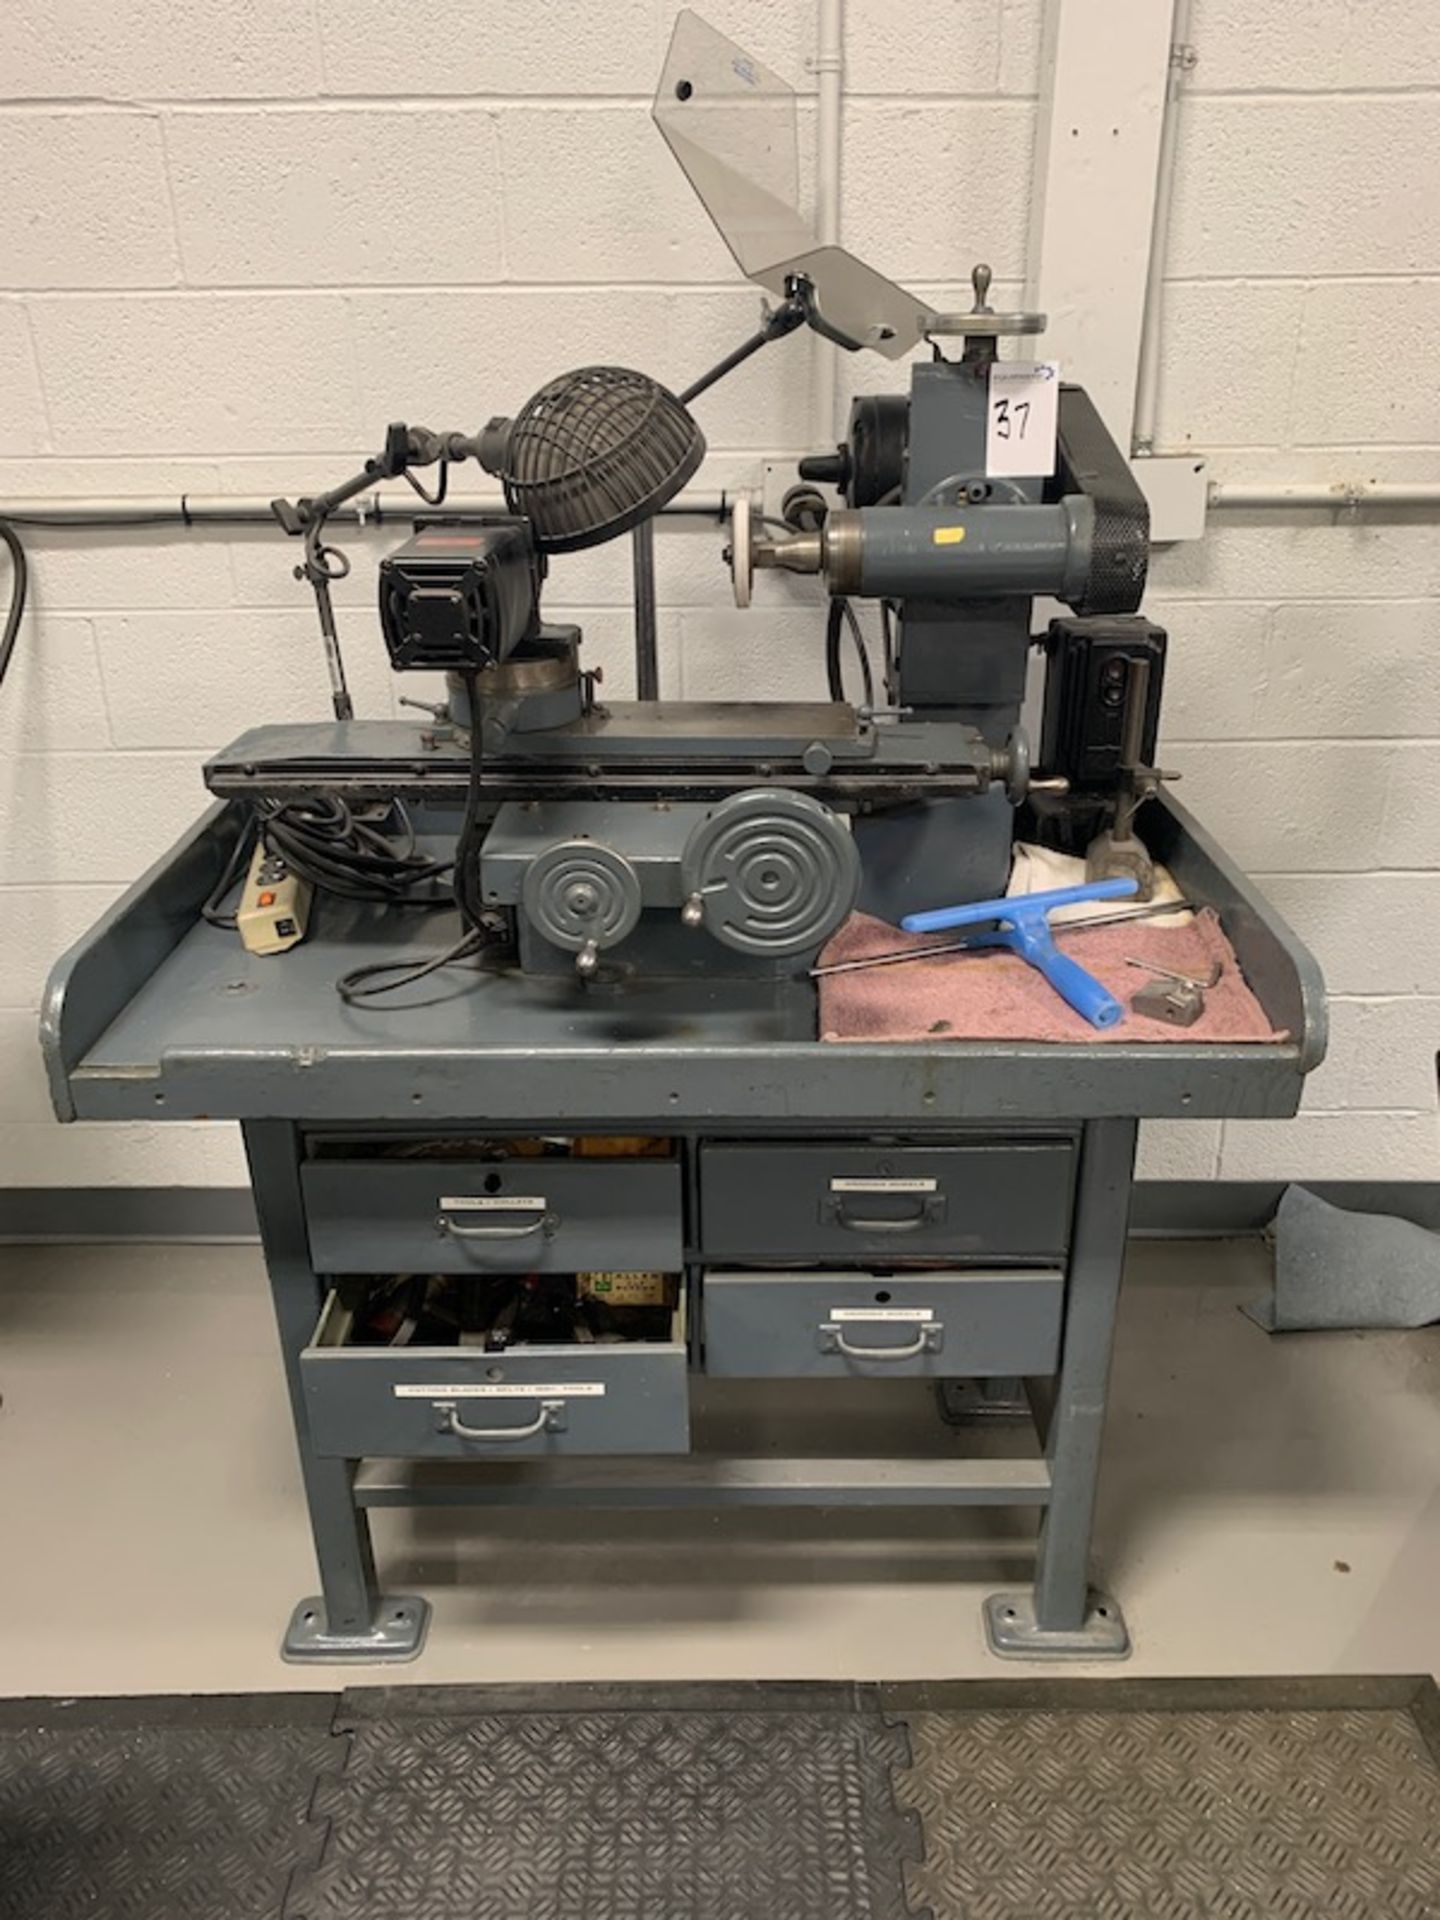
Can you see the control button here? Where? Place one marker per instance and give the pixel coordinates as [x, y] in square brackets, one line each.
[266, 900]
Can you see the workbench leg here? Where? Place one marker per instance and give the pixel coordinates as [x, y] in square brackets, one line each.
[1062, 1618]
[350, 1620]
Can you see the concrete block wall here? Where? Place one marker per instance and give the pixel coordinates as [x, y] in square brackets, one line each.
[238, 236]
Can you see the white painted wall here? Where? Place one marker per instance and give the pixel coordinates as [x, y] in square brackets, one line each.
[238, 236]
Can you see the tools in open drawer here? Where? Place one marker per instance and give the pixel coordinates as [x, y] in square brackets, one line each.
[493, 1313]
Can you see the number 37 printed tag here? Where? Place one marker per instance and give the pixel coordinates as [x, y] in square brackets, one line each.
[1023, 410]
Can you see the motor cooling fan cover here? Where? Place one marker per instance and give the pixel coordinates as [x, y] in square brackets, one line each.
[774, 872]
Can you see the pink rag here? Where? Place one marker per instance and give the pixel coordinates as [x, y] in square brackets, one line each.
[999, 996]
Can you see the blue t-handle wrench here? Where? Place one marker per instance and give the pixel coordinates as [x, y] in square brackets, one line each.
[1025, 929]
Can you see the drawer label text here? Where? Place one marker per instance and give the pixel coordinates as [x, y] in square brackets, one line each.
[882, 1313]
[504, 1390]
[883, 1186]
[493, 1203]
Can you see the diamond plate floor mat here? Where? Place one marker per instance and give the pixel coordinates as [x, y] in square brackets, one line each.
[158, 1809]
[579, 1803]
[1009, 1800]
[1175, 1801]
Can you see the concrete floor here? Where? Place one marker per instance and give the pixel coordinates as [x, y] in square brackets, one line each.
[1267, 1506]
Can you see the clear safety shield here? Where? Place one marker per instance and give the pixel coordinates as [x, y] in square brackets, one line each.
[732, 125]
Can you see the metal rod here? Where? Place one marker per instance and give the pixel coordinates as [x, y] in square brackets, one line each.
[1132, 746]
[340, 700]
[728, 365]
[1335, 495]
[896, 956]
[829, 140]
[1147, 373]
[647, 648]
[383, 508]
[196, 510]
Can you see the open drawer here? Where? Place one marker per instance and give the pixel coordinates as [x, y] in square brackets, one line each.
[458, 1403]
[465, 1216]
[946, 1324]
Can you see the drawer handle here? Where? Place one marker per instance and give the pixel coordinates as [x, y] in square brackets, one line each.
[542, 1223]
[928, 1340]
[926, 1214]
[550, 1419]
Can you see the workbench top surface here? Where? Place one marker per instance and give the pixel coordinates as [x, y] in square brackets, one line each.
[158, 1015]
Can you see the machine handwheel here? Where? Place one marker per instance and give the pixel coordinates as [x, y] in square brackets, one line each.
[770, 873]
[581, 895]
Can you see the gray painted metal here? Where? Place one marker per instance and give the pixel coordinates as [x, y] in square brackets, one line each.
[406, 1402]
[651, 836]
[671, 732]
[493, 1216]
[114, 960]
[849, 1325]
[351, 1599]
[1160, 1209]
[707, 1480]
[155, 1015]
[1013, 1630]
[839, 1200]
[1076, 1421]
[1002, 549]
[395, 1635]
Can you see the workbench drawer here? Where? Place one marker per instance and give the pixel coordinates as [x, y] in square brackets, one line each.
[460, 1403]
[957, 1325]
[532, 1215]
[831, 1201]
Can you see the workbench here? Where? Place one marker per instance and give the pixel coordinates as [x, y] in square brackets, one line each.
[947, 1212]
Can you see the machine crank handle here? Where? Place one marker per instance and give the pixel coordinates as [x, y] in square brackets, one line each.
[928, 1340]
[550, 1419]
[542, 1223]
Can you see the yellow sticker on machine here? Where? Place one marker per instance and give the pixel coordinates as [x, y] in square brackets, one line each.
[948, 536]
[625, 1289]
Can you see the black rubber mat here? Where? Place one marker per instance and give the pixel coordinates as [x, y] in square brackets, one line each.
[1010, 1800]
[576, 1804]
[1176, 1801]
[159, 1809]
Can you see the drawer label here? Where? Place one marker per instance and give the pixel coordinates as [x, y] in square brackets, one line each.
[883, 1186]
[493, 1203]
[882, 1313]
[504, 1390]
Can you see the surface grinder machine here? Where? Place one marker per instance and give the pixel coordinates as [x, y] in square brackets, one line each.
[567, 1151]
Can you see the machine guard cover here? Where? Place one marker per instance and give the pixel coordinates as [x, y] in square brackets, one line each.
[731, 124]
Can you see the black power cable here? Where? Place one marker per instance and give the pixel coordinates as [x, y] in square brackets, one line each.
[843, 614]
[322, 839]
[364, 983]
[19, 587]
[337, 850]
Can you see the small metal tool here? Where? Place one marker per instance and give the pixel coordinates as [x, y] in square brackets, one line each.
[1178, 1002]
[1184, 979]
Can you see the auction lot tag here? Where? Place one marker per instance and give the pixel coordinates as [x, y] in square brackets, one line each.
[1022, 416]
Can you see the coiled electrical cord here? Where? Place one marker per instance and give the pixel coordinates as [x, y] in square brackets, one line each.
[326, 842]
